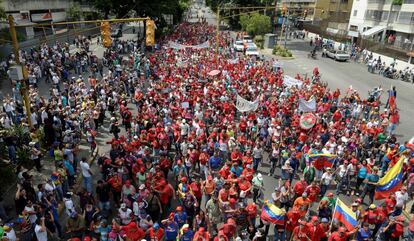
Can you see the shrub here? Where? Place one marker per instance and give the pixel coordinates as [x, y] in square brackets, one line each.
[282, 52]
[259, 41]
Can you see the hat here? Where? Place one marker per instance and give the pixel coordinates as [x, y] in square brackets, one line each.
[355, 204]
[186, 227]
[32, 143]
[156, 226]
[372, 206]
[123, 205]
[302, 222]
[210, 177]
[304, 194]
[179, 209]
[260, 177]
[314, 218]
[142, 187]
[233, 200]
[324, 220]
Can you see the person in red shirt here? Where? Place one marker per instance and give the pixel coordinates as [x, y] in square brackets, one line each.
[372, 217]
[300, 233]
[315, 230]
[292, 218]
[325, 227]
[196, 188]
[341, 234]
[300, 187]
[201, 235]
[313, 191]
[390, 202]
[133, 232]
[155, 233]
[116, 186]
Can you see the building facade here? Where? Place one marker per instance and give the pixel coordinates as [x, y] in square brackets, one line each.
[384, 21]
[29, 12]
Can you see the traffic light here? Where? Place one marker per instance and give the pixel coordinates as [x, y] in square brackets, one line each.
[150, 33]
[106, 34]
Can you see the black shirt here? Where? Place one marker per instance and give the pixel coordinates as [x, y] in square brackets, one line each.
[103, 192]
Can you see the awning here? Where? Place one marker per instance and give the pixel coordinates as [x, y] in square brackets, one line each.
[373, 31]
[353, 34]
[332, 30]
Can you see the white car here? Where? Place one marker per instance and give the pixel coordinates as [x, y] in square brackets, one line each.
[251, 50]
[247, 39]
[338, 55]
[238, 46]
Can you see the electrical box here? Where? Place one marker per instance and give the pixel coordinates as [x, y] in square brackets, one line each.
[16, 72]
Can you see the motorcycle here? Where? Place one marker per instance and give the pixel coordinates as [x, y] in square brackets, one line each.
[406, 74]
[391, 73]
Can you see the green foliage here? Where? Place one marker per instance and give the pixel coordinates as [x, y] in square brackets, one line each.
[74, 12]
[244, 21]
[259, 41]
[5, 34]
[282, 52]
[397, 2]
[7, 176]
[3, 14]
[255, 24]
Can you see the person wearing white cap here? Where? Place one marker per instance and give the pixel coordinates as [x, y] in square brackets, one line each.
[258, 186]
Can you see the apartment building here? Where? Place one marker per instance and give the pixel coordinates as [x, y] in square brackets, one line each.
[300, 7]
[384, 21]
[28, 12]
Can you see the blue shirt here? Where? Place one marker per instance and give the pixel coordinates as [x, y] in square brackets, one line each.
[69, 168]
[187, 236]
[237, 171]
[363, 235]
[215, 162]
[180, 218]
[362, 172]
[171, 231]
[373, 178]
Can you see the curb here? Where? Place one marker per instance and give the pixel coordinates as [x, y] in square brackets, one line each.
[79, 179]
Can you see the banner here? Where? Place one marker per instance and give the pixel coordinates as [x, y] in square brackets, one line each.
[175, 45]
[307, 106]
[244, 105]
[290, 81]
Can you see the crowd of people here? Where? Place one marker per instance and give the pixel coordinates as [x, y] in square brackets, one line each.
[184, 164]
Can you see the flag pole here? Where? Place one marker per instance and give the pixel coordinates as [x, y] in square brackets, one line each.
[333, 215]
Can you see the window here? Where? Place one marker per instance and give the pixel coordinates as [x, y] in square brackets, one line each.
[353, 28]
[384, 16]
[408, 1]
[405, 17]
[373, 15]
[355, 12]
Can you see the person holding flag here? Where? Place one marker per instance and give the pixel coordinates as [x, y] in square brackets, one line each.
[389, 183]
[345, 215]
[371, 182]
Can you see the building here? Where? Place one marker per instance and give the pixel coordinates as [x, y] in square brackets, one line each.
[26, 12]
[300, 8]
[384, 21]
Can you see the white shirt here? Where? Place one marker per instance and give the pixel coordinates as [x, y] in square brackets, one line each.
[85, 169]
[40, 235]
[125, 216]
[32, 217]
[327, 178]
[11, 235]
[401, 198]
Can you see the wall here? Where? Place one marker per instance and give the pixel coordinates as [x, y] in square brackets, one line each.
[358, 20]
[401, 65]
[17, 5]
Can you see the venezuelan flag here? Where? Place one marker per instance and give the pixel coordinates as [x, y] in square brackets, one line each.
[391, 182]
[272, 214]
[345, 215]
[324, 158]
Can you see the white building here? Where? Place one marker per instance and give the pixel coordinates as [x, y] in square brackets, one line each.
[384, 21]
[28, 12]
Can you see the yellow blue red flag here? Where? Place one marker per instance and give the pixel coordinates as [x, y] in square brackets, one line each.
[345, 215]
[272, 214]
[391, 181]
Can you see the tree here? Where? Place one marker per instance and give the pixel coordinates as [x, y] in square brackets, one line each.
[244, 21]
[74, 12]
[3, 14]
[259, 24]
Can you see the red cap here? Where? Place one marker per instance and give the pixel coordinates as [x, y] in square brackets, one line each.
[232, 200]
[184, 179]
[209, 178]
[179, 209]
[330, 194]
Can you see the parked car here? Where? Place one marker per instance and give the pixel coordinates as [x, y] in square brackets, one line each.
[337, 55]
[252, 50]
[247, 39]
[238, 45]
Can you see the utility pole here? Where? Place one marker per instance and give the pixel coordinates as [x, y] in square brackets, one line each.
[217, 34]
[24, 90]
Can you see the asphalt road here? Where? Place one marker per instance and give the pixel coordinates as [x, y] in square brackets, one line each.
[342, 75]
